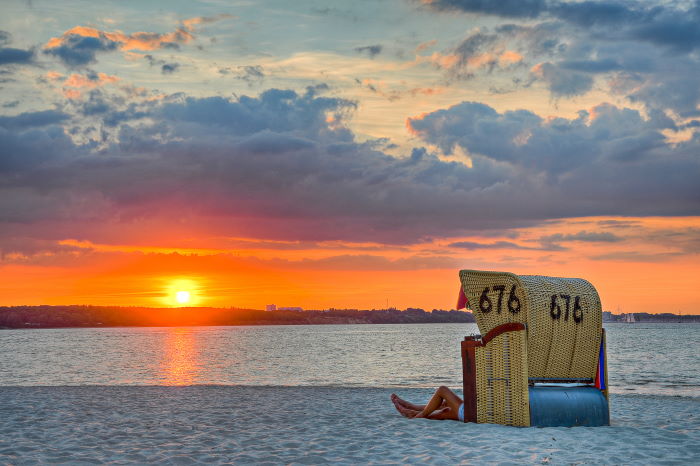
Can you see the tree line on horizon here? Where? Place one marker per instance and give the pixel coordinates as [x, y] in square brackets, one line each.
[135, 316]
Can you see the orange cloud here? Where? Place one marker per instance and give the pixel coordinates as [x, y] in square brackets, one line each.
[71, 93]
[425, 45]
[482, 59]
[78, 81]
[88, 245]
[135, 41]
[75, 82]
[381, 88]
[426, 90]
[443, 61]
[504, 59]
[138, 40]
[452, 61]
[54, 76]
[246, 271]
[509, 57]
[409, 124]
[538, 70]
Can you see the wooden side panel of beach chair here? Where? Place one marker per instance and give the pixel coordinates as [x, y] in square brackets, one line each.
[564, 327]
[501, 377]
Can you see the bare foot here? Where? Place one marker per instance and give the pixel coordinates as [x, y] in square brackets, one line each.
[406, 404]
[405, 412]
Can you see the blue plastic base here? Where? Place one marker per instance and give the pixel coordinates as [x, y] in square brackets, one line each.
[568, 407]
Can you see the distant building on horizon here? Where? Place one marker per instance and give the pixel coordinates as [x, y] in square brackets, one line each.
[273, 307]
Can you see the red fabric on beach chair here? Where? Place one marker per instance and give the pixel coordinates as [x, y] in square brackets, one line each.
[462, 299]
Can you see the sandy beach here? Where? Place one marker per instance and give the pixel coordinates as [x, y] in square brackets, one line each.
[310, 425]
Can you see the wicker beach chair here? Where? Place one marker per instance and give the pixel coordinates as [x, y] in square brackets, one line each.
[540, 359]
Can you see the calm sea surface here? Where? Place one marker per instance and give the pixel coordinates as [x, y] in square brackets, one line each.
[659, 359]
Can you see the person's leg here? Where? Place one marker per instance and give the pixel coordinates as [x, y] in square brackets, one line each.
[406, 404]
[443, 414]
[413, 407]
[442, 396]
[405, 412]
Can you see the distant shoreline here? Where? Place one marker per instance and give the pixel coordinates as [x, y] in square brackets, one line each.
[15, 317]
[113, 316]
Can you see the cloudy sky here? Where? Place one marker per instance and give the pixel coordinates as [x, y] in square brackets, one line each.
[347, 154]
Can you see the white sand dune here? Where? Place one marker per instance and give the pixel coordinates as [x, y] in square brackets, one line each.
[309, 425]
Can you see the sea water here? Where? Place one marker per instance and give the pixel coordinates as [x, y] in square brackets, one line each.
[653, 359]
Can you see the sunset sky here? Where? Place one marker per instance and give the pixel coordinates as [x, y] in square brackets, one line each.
[347, 154]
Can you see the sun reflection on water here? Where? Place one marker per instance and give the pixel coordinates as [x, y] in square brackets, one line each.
[181, 365]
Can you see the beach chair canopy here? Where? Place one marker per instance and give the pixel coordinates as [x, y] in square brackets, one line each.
[563, 317]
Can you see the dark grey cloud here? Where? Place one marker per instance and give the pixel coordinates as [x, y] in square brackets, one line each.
[592, 66]
[23, 152]
[504, 8]
[169, 68]
[24, 250]
[618, 223]
[540, 39]
[613, 149]
[471, 245]
[671, 86]
[564, 83]
[593, 13]
[10, 56]
[476, 43]
[76, 50]
[165, 67]
[283, 165]
[583, 236]
[641, 71]
[637, 256]
[33, 119]
[668, 24]
[571, 61]
[685, 240]
[275, 110]
[673, 28]
[371, 50]
[251, 74]
[276, 165]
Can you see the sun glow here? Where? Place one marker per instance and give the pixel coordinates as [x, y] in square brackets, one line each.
[182, 292]
[182, 297]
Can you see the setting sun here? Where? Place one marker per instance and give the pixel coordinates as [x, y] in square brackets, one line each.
[181, 291]
[182, 297]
